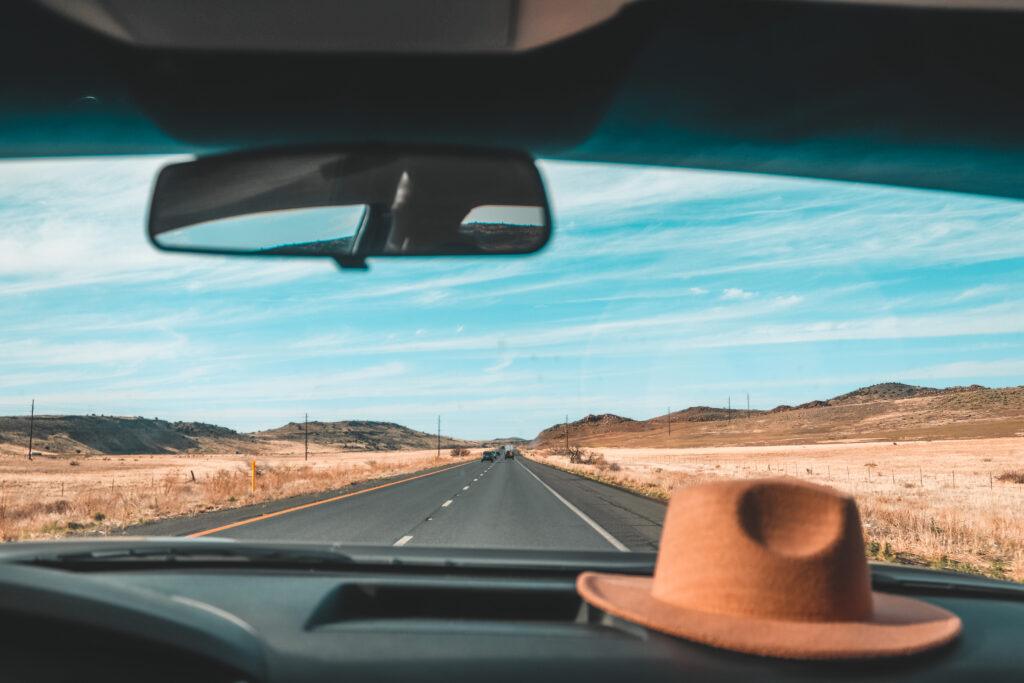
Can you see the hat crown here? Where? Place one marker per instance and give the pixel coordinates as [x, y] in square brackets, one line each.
[765, 548]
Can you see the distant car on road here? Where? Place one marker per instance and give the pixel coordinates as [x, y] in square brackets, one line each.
[489, 456]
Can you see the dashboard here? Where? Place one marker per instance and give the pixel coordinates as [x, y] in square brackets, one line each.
[421, 615]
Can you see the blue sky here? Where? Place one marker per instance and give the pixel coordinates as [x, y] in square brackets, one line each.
[660, 287]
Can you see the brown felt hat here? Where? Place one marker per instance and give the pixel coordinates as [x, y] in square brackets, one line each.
[771, 567]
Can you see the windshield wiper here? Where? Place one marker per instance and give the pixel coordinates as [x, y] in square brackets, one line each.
[903, 580]
[187, 554]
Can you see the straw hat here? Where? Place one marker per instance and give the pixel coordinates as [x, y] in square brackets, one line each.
[769, 567]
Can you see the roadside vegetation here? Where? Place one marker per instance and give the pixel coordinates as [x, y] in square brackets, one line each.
[125, 496]
[956, 505]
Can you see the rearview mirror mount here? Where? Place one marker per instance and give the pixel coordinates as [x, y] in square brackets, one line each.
[349, 205]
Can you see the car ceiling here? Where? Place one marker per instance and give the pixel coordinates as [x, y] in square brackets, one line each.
[918, 96]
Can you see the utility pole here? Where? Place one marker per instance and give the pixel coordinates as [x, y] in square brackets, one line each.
[668, 414]
[748, 406]
[438, 437]
[31, 425]
[566, 433]
[307, 436]
[728, 411]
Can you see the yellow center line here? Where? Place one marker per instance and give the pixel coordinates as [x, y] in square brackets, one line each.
[319, 502]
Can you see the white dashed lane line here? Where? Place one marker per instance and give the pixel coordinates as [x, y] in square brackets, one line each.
[403, 540]
[446, 503]
[465, 488]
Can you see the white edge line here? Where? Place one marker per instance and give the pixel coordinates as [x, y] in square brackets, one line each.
[616, 543]
[403, 540]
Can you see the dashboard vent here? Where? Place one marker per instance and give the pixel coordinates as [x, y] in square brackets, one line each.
[357, 602]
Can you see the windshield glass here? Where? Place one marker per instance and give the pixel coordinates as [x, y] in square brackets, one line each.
[681, 326]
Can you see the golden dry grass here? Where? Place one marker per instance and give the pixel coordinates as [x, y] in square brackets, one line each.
[937, 503]
[51, 497]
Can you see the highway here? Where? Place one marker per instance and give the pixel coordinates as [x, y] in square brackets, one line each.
[513, 503]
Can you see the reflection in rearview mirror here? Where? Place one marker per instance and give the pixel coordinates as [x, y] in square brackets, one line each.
[351, 205]
[319, 230]
[504, 229]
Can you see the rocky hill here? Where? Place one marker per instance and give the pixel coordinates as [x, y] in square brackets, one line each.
[890, 391]
[883, 412]
[361, 435]
[99, 434]
[96, 434]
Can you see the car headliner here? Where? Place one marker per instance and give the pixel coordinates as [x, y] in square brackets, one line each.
[912, 96]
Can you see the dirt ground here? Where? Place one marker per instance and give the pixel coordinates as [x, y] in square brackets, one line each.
[935, 503]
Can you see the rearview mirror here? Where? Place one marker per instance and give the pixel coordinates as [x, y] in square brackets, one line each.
[350, 205]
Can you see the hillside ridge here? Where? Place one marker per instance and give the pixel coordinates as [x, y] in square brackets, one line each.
[118, 435]
[888, 411]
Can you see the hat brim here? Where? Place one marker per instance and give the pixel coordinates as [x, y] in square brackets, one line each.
[899, 626]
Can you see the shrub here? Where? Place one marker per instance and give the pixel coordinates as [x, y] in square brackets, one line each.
[1013, 477]
[576, 454]
[459, 452]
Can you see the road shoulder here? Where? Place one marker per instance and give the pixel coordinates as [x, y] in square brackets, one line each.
[633, 519]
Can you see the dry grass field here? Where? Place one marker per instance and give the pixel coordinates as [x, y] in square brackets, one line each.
[53, 496]
[945, 504]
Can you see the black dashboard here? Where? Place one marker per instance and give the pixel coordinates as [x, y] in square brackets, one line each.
[417, 615]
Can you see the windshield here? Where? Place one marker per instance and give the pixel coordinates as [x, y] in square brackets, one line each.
[681, 326]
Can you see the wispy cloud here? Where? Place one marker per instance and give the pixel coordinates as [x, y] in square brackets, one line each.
[979, 291]
[737, 293]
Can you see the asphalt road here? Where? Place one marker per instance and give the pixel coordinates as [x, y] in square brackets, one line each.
[504, 504]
